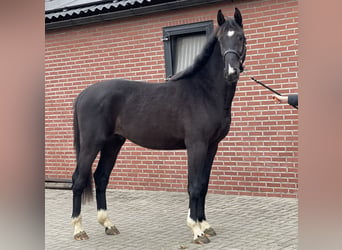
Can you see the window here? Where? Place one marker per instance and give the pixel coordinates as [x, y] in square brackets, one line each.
[183, 43]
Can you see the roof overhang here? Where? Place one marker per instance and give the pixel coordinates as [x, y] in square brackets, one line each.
[87, 15]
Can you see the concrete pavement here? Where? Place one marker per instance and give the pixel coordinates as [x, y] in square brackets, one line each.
[157, 221]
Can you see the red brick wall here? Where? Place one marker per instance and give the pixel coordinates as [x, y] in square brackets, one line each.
[258, 157]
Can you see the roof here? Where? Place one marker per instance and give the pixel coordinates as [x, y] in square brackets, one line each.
[65, 13]
[63, 8]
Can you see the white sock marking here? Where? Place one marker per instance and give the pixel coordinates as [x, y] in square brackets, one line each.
[195, 226]
[231, 33]
[103, 219]
[204, 225]
[77, 223]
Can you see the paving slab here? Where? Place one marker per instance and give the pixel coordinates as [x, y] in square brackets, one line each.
[157, 221]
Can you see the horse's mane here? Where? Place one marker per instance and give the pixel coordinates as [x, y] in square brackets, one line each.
[200, 60]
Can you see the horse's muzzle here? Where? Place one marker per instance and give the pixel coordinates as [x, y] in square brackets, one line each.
[231, 73]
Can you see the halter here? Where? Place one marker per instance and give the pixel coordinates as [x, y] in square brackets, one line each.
[241, 57]
[231, 51]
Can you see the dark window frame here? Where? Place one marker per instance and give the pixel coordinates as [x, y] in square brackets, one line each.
[170, 33]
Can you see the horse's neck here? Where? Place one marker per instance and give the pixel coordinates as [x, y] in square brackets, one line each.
[229, 95]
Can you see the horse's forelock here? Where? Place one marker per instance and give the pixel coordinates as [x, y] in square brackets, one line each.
[230, 24]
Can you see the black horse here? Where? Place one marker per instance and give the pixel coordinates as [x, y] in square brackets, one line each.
[191, 111]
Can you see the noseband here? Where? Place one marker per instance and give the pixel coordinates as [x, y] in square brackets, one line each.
[240, 57]
[231, 51]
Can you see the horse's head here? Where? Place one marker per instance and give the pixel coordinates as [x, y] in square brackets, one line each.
[233, 44]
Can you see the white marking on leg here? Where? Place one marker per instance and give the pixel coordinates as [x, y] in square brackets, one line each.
[231, 70]
[231, 33]
[103, 218]
[204, 225]
[77, 223]
[195, 226]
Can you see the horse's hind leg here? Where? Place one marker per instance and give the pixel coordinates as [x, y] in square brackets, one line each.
[82, 186]
[108, 157]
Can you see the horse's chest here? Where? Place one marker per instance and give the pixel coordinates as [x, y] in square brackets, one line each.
[220, 128]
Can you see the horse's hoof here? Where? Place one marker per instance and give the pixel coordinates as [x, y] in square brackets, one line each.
[210, 232]
[81, 236]
[111, 230]
[201, 240]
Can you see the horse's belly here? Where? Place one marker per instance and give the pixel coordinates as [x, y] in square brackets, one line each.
[154, 141]
[161, 145]
[152, 136]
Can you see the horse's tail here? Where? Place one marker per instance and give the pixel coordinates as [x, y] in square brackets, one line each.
[76, 132]
[87, 194]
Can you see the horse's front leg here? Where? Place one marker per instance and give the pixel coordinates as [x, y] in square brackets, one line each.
[205, 226]
[197, 153]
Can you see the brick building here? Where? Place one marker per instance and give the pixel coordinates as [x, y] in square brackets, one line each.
[88, 41]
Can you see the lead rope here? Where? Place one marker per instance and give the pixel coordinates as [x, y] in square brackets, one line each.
[265, 86]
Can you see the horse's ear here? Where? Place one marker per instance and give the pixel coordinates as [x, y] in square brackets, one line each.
[220, 18]
[238, 17]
